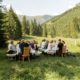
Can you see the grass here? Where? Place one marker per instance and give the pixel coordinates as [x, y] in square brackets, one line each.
[43, 68]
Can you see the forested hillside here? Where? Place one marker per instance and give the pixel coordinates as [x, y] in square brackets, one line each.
[63, 22]
[39, 19]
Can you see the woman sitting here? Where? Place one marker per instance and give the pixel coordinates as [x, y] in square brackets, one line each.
[54, 47]
[65, 45]
[34, 48]
[49, 46]
[11, 47]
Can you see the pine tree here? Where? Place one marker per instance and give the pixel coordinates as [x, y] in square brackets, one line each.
[39, 30]
[24, 25]
[31, 28]
[75, 27]
[3, 37]
[53, 32]
[34, 28]
[14, 26]
[45, 31]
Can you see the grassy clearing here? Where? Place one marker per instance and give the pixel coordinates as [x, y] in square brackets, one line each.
[44, 68]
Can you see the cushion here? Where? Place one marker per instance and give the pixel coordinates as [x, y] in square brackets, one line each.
[50, 52]
[38, 53]
[11, 55]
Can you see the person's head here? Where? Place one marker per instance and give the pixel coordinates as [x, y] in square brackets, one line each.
[44, 40]
[34, 41]
[63, 42]
[31, 41]
[11, 41]
[22, 41]
[54, 41]
[47, 41]
[51, 41]
[59, 40]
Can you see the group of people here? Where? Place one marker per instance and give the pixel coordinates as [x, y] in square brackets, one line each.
[52, 45]
[33, 46]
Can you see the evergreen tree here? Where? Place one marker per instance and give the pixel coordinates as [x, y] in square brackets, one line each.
[31, 28]
[53, 32]
[14, 30]
[3, 37]
[24, 25]
[34, 28]
[75, 27]
[39, 30]
[45, 31]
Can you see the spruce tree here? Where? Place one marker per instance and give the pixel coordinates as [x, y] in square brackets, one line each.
[75, 28]
[3, 37]
[45, 31]
[53, 32]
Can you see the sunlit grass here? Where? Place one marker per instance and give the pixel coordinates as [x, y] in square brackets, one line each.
[44, 68]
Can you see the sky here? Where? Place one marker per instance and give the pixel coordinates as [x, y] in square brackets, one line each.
[40, 7]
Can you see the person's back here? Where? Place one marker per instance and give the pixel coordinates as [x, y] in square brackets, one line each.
[22, 45]
[60, 45]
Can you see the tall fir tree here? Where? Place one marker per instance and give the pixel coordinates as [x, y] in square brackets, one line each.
[14, 26]
[31, 28]
[53, 32]
[45, 31]
[75, 28]
[3, 37]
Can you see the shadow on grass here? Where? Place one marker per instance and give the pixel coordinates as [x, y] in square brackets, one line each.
[45, 68]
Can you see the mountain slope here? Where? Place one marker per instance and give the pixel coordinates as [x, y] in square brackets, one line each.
[64, 20]
[39, 19]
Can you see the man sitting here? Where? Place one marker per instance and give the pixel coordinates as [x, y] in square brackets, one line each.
[60, 45]
[43, 44]
[22, 45]
[46, 45]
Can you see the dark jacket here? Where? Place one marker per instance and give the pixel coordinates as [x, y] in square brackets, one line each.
[60, 45]
[22, 45]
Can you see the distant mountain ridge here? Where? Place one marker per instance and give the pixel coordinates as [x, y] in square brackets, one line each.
[39, 19]
[61, 22]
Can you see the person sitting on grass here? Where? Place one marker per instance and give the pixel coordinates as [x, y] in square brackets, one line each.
[60, 45]
[11, 47]
[43, 44]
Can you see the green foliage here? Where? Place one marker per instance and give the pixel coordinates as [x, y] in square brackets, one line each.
[3, 37]
[53, 32]
[45, 31]
[14, 29]
[63, 23]
[43, 68]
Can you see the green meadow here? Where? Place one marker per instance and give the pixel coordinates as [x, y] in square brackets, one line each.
[44, 67]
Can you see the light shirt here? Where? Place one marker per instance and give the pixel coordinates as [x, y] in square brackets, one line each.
[42, 44]
[66, 46]
[11, 47]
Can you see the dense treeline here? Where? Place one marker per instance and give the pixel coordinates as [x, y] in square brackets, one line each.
[3, 35]
[63, 24]
[31, 29]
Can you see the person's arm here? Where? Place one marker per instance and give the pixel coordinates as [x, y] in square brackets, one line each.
[58, 47]
[34, 46]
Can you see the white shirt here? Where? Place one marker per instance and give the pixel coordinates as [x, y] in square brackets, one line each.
[42, 44]
[11, 47]
[49, 48]
[66, 46]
